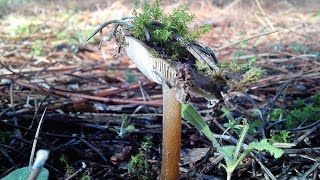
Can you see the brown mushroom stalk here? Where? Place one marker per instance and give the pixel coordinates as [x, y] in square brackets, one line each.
[171, 134]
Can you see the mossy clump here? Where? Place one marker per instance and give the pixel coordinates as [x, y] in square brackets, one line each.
[139, 167]
[303, 113]
[237, 76]
[163, 28]
[175, 23]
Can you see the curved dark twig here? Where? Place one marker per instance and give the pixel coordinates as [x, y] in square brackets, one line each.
[199, 51]
[117, 21]
[205, 49]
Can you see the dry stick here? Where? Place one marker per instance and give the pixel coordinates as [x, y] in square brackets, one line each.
[266, 170]
[88, 97]
[22, 67]
[171, 135]
[36, 112]
[15, 121]
[104, 93]
[34, 70]
[311, 150]
[297, 141]
[36, 139]
[246, 39]
[313, 167]
[95, 149]
[77, 172]
[103, 99]
[108, 92]
[300, 156]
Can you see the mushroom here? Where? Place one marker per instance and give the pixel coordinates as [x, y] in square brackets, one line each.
[160, 71]
[178, 79]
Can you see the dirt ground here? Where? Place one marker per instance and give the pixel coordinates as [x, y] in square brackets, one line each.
[89, 94]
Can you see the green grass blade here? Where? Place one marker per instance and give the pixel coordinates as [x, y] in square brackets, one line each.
[190, 114]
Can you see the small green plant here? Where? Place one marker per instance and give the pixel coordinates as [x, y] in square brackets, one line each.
[232, 154]
[243, 75]
[306, 115]
[138, 165]
[239, 75]
[24, 29]
[232, 123]
[254, 126]
[281, 137]
[302, 114]
[125, 127]
[276, 114]
[316, 99]
[85, 176]
[299, 103]
[37, 47]
[69, 169]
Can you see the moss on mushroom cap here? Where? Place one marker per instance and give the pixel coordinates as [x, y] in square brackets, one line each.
[163, 27]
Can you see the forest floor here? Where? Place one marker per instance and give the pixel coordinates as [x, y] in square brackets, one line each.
[101, 110]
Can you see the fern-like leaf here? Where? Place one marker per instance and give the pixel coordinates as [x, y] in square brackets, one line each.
[264, 145]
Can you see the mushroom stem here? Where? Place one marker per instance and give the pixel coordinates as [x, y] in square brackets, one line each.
[171, 135]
